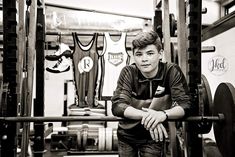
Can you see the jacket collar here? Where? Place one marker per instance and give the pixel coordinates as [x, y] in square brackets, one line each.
[159, 75]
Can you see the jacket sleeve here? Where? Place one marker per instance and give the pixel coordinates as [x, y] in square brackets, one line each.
[179, 90]
[121, 98]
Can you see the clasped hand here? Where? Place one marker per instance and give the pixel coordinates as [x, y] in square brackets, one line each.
[152, 121]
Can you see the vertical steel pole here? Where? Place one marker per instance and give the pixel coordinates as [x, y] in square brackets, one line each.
[193, 22]
[10, 49]
[39, 146]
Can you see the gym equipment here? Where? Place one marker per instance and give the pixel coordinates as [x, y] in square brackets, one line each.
[71, 118]
[222, 118]
[166, 30]
[204, 10]
[182, 54]
[174, 53]
[173, 25]
[63, 142]
[193, 22]
[87, 138]
[10, 47]
[210, 148]
[218, 118]
[101, 139]
[205, 106]
[206, 49]
[157, 20]
[31, 52]
[224, 102]
[38, 147]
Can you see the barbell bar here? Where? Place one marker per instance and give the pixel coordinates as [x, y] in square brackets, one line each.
[220, 117]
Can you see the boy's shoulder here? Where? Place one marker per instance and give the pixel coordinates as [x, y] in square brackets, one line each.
[131, 66]
[169, 65]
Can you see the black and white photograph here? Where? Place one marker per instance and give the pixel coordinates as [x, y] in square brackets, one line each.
[117, 78]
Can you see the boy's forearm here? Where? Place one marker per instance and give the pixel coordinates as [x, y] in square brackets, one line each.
[133, 113]
[175, 112]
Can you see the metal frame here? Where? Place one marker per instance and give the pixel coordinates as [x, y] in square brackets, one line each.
[39, 144]
[193, 21]
[10, 47]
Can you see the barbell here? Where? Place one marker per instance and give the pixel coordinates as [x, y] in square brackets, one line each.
[220, 118]
[220, 113]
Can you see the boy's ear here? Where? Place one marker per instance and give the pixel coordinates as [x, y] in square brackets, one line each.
[162, 58]
[161, 52]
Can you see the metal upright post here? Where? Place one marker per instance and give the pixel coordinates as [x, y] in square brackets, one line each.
[157, 19]
[193, 22]
[8, 133]
[39, 146]
[166, 31]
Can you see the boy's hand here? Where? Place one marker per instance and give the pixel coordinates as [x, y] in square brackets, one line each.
[158, 133]
[152, 118]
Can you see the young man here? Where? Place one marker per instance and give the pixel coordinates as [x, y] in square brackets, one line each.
[148, 92]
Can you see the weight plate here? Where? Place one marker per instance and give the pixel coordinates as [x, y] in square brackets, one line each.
[79, 140]
[205, 127]
[84, 136]
[224, 100]
[115, 140]
[101, 142]
[92, 140]
[207, 97]
[108, 139]
[174, 53]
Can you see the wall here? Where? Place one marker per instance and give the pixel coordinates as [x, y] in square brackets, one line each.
[225, 47]
[142, 8]
[224, 53]
[213, 11]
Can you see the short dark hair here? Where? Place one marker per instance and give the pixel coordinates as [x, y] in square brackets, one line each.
[147, 38]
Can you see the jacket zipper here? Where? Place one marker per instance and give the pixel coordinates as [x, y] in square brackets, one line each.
[150, 89]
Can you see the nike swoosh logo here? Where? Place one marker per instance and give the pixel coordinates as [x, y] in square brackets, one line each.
[159, 90]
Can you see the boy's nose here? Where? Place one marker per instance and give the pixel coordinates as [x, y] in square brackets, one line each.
[144, 58]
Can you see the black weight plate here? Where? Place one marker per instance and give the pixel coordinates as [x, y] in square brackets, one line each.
[207, 97]
[207, 104]
[204, 127]
[224, 131]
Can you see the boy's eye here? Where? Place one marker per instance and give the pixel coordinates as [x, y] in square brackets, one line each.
[150, 53]
[138, 54]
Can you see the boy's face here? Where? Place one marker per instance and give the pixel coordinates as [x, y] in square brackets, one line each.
[147, 60]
